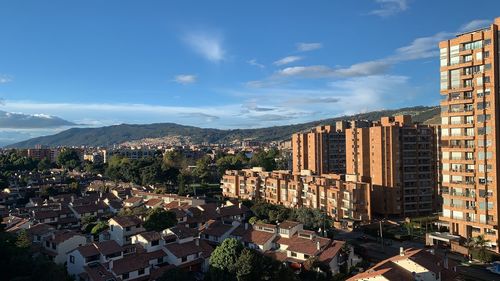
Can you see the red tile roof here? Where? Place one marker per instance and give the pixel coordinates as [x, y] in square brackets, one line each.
[189, 248]
[126, 221]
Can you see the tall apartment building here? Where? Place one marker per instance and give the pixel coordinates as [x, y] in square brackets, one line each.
[398, 157]
[322, 150]
[470, 133]
[344, 199]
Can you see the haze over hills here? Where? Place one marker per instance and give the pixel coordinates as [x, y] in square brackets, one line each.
[110, 135]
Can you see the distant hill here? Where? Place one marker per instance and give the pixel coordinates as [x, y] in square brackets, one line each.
[117, 134]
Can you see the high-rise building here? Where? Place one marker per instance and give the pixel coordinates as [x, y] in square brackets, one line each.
[470, 134]
[398, 157]
[322, 150]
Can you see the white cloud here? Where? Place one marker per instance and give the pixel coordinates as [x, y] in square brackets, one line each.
[185, 79]
[322, 71]
[305, 47]
[254, 62]
[287, 60]
[421, 48]
[475, 24]
[5, 78]
[390, 7]
[206, 44]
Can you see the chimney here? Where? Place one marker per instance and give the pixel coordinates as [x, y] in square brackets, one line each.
[246, 226]
[401, 251]
[239, 205]
[318, 246]
[197, 241]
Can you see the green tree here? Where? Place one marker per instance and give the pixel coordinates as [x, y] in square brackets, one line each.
[99, 227]
[68, 159]
[480, 243]
[23, 240]
[223, 259]
[264, 159]
[203, 170]
[158, 219]
[248, 266]
[44, 165]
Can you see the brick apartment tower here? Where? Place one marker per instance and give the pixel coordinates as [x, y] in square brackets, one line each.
[322, 150]
[470, 134]
[398, 157]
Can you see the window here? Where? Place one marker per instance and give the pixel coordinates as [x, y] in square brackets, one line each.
[468, 83]
[127, 228]
[184, 259]
[483, 155]
[483, 143]
[72, 259]
[467, 58]
[483, 105]
[455, 78]
[125, 276]
[483, 118]
[486, 79]
[141, 271]
[160, 260]
[155, 242]
[443, 56]
[483, 130]
[444, 80]
[293, 254]
[111, 227]
[474, 45]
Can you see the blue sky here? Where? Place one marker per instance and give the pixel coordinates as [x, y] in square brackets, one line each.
[223, 64]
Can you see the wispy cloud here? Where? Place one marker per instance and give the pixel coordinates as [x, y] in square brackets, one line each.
[306, 47]
[254, 62]
[474, 24]
[207, 44]
[287, 60]
[389, 7]
[4, 78]
[420, 48]
[185, 79]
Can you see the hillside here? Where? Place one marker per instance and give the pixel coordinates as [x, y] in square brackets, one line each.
[117, 134]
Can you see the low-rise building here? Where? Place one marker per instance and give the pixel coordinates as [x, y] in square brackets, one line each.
[121, 229]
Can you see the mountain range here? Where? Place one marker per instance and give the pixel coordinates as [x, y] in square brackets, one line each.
[116, 134]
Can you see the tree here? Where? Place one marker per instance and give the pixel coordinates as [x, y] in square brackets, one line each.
[68, 159]
[223, 259]
[23, 240]
[248, 266]
[480, 242]
[203, 170]
[99, 227]
[44, 165]
[264, 159]
[158, 219]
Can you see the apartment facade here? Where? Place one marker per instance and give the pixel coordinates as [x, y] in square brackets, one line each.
[341, 198]
[469, 110]
[322, 150]
[398, 157]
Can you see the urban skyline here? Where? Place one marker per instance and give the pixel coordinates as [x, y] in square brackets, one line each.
[199, 69]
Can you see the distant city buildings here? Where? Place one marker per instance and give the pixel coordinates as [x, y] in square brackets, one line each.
[322, 150]
[398, 157]
[352, 170]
